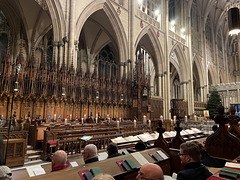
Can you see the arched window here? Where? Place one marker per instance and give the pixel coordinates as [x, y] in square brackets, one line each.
[4, 32]
[107, 65]
[49, 52]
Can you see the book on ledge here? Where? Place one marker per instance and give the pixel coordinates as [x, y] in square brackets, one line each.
[131, 163]
[227, 175]
[95, 171]
[119, 163]
[155, 157]
[124, 152]
[88, 176]
[86, 138]
[81, 173]
[126, 166]
[232, 171]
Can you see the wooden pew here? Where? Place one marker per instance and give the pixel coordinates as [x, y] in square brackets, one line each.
[108, 166]
[222, 144]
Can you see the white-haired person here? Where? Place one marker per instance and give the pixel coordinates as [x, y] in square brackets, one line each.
[59, 160]
[90, 153]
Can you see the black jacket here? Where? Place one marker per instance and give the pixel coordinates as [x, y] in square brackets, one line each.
[91, 160]
[194, 171]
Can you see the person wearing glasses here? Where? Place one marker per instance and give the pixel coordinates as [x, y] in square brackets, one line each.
[150, 172]
[190, 156]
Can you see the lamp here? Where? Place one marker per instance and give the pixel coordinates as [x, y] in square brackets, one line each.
[233, 21]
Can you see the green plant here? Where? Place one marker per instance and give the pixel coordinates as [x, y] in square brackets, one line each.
[213, 102]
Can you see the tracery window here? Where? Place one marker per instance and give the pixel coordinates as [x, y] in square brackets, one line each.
[49, 52]
[107, 65]
[4, 32]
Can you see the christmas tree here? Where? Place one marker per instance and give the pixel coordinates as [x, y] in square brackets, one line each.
[213, 102]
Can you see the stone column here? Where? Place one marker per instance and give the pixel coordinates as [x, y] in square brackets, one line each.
[71, 33]
[60, 54]
[75, 54]
[55, 51]
[121, 70]
[160, 85]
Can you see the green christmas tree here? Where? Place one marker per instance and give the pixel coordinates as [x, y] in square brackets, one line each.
[213, 102]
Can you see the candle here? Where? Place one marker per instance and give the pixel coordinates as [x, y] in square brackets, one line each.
[186, 120]
[144, 120]
[96, 115]
[55, 116]
[82, 120]
[174, 119]
[195, 118]
[70, 116]
[84, 116]
[118, 124]
[66, 121]
[96, 120]
[134, 123]
[161, 118]
[149, 123]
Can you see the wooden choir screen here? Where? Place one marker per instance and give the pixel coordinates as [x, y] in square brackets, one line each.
[16, 151]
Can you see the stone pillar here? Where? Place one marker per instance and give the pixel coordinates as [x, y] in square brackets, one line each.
[60, 54]
[129, 69]
[75, 54]
[160, 85]
[55, 51]
[121, 70]
[71, 34]
[202, 93]
[238, 96]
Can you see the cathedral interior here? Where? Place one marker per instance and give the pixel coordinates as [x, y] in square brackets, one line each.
[115, 58]
[75, 72]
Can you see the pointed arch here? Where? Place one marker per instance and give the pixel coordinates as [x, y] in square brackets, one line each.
[200, 70]
[158, 59]
[113, 18]
[58, 22]
[184, 72]
[213, 72]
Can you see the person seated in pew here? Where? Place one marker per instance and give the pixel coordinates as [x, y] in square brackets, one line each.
[112, 150]
[190, 156]
[150, 171]
[5, 173]
[103, 177]
[208, 160]
[90, 153]
[140, 146]
[59, 160]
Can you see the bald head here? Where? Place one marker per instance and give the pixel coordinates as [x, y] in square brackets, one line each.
[150, 171]
[90, 151]
[59, 158]
[103, 177]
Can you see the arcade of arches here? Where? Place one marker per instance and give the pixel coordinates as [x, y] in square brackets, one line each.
[113, 58]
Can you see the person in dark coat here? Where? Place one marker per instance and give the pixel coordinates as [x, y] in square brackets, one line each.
[190, 156]
[112, 150]
[90, 153]
[208, 160]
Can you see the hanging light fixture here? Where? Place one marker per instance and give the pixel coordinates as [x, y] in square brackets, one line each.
[233, 21]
